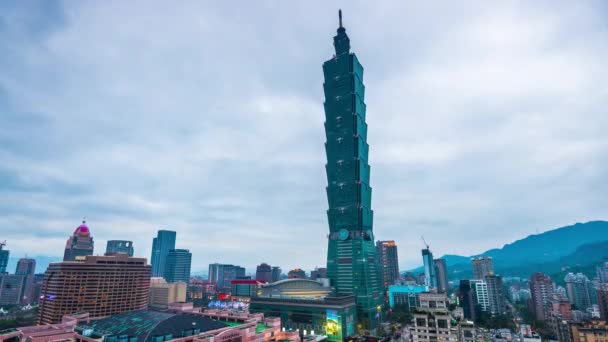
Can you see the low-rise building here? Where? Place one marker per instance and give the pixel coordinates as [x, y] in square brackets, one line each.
[162, 294]
[589, 331]
[405, 295]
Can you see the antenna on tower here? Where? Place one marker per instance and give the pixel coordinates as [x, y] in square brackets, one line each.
[423, 240]
[340, 16]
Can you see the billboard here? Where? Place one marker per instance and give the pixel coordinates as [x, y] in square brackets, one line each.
[333, 326]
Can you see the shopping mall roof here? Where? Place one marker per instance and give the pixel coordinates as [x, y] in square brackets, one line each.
[145, 324]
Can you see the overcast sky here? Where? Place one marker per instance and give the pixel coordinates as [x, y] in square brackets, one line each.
[487, 122]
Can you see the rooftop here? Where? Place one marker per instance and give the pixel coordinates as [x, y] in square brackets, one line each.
[144, 324]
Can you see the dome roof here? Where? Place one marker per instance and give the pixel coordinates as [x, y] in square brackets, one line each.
[82, 230]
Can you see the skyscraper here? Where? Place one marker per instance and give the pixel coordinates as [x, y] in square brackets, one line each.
[264, 273]
[221, 275]
[541, 292]
[441, 272]
[351, 255]
[430, 279]
[4, 254]
[11, 288]
[27, 268]
[482, 297]
[482, 266]
[602, 299]
[602, 272]
[388, 262]
[466, 294]
[496, 294]
[177, 266]
[119, 246]
[79, 245]
[276, 273]
[99, 285]
[161, 245]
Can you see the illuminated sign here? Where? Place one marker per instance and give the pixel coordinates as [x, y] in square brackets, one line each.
[333, 326]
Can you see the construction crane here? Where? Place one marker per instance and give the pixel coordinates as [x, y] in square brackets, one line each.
[423, 240]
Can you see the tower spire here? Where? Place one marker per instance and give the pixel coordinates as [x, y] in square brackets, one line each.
[340, 16]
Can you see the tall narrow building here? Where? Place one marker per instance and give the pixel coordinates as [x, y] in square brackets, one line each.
[161, 245]
[351, 255]
[388, 262]
[4, 253]
[441, 273]
[430, 278]
[482, 266]
[178, 265]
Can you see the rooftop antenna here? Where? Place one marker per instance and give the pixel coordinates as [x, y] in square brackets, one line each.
[340, 16]
[423, 240]
[2, 244]
[84, 219]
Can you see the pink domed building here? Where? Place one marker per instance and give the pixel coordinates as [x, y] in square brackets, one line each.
[79, 245]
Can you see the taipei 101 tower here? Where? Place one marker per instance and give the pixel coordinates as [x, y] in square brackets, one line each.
[351, 255]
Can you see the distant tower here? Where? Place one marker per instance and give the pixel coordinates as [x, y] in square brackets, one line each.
[482, 266]
[388, 262]
[177, 266]
[430, 279]
[4, 254]
[27, 268]
[541, 291]
[276, 273]
[79, 245]
[351, 254]
[161, 245]
[496, 294]
[263, 273]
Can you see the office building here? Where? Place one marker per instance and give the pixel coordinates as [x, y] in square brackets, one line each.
[541, 293]
[318, 273]
[309, 307]
[405, 295]
[222, 274]
[79, 245]
[4, 256]
[580, 291]
[161, 245]
[441, 272]
[602, 273]
[263, 272]
[496, 295]
[430, 279]
[12, 287]
[276, 273]
[119, 246]
[351, 253]
[388, 262]
[162, 294]
[99, 285]
[177, 266]
[296, 273]
[482, 297]
[432, 319]
[243, 289]
[482, 266]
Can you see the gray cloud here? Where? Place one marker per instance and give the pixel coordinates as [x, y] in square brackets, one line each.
[486, 123]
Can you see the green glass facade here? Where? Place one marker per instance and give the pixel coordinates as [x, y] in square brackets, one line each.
[351, 258]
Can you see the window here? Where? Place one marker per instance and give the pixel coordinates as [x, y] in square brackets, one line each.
[442, 323]
[420, 322]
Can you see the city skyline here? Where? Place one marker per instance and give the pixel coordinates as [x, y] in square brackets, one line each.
[175, 129]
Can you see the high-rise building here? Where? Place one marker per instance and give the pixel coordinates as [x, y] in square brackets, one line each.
[222, 274]
[276, 273]
[496, 294]
[4, 254]
[482, 266]
[27, 268]
[11, 288]
[482, 297]
[318, 272]
[580, 291]
[466, 295]
[263, 273]
[162, 293]
[351, 254]
[119, 246]
[177, 266]
[99, 285]
[430, 279]
[541, 292]
[602, 273]
[602, 300]
[79, 245]
[441, 272]
[388, 262]
[161, 245]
